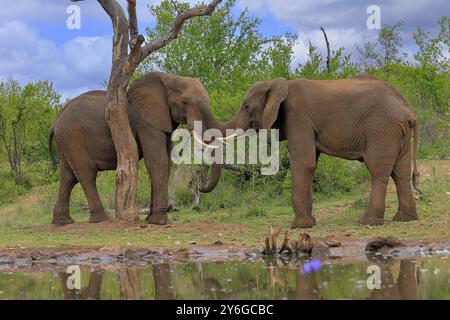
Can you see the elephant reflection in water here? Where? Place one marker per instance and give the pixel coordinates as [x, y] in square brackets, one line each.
[130, 284]
[163, 282]
[405, 288]
[92, 292]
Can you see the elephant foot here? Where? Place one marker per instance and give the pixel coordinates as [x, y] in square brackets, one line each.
[372, 217]
[158, 218]
[99, 217]
[303, 222]
[406, 214]
[62, 221]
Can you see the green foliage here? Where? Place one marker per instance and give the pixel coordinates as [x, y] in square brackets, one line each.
[26, 114]
[386, 50]
[9, 190]
[341, 66]
[333, 175]
[226, 52]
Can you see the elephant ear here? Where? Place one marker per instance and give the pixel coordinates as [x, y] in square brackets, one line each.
[276, 94]
[148, 95]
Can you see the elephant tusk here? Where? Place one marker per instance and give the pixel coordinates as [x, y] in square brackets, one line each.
[234, 135]
[227, 138]
[197, 138]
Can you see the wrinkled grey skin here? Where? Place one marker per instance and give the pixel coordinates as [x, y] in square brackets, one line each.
[158, 103]
[361, 118]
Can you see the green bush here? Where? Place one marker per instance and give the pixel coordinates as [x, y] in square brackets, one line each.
[333, 175]
[9, 191]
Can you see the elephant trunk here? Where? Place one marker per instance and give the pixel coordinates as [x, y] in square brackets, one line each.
[209, 122]
[216, 172]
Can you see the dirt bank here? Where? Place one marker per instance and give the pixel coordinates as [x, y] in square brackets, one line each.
[349, 250]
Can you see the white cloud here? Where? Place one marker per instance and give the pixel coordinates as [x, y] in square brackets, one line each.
[74, 66]
[54, 11]
[311, 14]
[338, 38]
[345, 20]
[83, 62]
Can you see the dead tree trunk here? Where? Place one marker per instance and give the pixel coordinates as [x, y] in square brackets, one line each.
[328, 49]
[124, 64]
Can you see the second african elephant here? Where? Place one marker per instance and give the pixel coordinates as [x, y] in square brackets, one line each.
[361, 118]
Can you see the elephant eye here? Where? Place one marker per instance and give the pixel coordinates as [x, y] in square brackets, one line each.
[246, 107]
[184, 102]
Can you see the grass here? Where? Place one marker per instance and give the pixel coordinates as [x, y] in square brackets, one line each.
[26, 223]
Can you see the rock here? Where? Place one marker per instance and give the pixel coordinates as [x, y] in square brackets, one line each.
[333, 243]
[218, 243]
[135, 254]
[192, 242]
[379, 243]
[23, 260]
[320, 250]
[6, 260]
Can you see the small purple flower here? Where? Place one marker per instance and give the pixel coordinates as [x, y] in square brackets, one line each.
[312, 266]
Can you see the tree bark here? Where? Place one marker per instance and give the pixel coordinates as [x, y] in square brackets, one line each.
[117, 117]
[124, 64]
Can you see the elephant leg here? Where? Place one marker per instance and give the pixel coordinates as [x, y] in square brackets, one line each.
[88, 183]
[402, 178]
[158, 165]
[160, 195]
[67, 181]
[310, 193]
[380, 171]
[303, 167]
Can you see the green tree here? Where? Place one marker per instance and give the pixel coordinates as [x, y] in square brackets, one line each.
[227, 53]
[341, 65]
[431, 85]
[385, 51]
[26, 114]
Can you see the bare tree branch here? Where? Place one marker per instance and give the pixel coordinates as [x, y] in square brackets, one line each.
[132, 23]
[121, 26]
[328, 49]
[175, 6]
[179, 21]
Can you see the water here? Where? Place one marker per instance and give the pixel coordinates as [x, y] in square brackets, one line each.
[421, 278]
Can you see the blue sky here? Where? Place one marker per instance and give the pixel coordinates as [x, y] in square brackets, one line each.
[36, 44]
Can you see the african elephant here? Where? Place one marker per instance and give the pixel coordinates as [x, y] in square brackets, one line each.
[361, 118]
[158, 103]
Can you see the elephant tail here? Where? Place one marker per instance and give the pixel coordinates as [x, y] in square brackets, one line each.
[51, 134]
[415, 175]
[216, 171]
